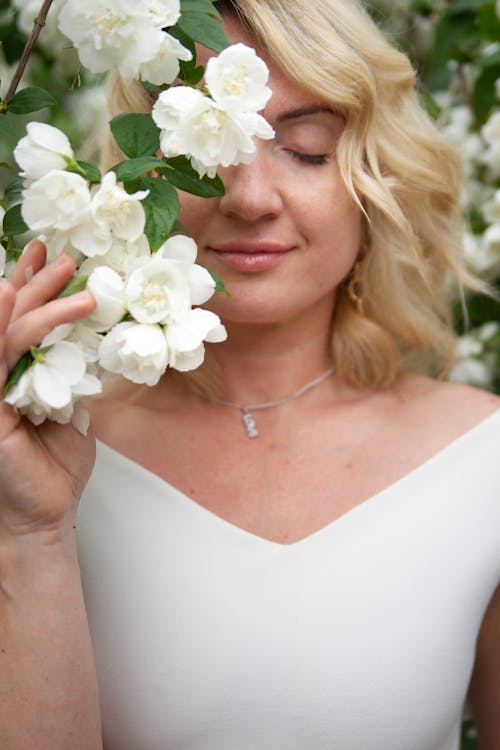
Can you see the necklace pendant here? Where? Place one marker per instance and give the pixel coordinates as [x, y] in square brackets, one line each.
[250, 425]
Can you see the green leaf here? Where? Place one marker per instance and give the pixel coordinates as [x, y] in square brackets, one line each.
[489, 22]
[204, 29]
[200, 6]
[13, 222]
[91, 170]
[134, 168]
[19, 369]
[136, 134]
[189, 72]
[484, 95]
[30, 99]
[456, 37]
[76, 284]
[6, 127]
[13, 41]
[219, 284]
[161, 208]
[13, 192]
[181, 174]
[422, 7]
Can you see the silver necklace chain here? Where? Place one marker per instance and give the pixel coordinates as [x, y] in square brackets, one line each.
[247, 409]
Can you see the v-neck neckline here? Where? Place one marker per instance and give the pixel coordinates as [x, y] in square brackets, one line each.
[344, 517]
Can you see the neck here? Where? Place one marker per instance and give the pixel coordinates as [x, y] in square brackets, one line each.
[261, 363]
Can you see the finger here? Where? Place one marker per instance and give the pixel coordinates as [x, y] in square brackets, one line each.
[7, 300]
[44, 285]
[30, 262]
[30, 329]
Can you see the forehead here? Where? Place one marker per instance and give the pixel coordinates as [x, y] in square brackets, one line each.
[287, 94]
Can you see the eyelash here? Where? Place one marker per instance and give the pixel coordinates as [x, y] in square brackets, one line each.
[316, 159]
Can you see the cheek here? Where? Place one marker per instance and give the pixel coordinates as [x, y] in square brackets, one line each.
[195, 212]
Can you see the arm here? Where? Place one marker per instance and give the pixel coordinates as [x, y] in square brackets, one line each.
[48, 693]
[485, 684]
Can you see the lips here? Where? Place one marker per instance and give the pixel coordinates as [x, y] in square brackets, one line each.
[253, 256]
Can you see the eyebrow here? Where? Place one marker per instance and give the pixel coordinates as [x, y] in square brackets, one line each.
[313, 109]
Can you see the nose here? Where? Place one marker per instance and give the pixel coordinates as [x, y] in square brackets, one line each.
[252, 190]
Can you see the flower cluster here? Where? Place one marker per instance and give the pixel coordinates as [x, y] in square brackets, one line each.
[218, 129]
[475, 356]
[144, 320]
[62, 207]
[480, 151]
[146, 283]
[125, 35]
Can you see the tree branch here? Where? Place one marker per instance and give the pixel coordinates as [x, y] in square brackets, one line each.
[38, 25]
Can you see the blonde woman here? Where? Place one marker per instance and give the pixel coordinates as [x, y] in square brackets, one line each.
[298, 549]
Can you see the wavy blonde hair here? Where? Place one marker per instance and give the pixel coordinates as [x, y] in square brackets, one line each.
[395, 164]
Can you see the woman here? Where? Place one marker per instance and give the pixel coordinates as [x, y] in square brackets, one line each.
[330, 582]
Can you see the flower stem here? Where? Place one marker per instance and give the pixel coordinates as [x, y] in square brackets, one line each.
[38, 25]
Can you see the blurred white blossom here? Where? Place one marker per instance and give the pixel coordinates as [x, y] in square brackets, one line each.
[475, 358]
[123, 35]
[52, 40]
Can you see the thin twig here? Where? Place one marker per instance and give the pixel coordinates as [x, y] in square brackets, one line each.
[38, 25]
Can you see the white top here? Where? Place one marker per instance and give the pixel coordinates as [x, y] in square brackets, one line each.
[359, 637]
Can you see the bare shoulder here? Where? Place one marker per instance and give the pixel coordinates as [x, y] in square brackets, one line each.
[456, 407]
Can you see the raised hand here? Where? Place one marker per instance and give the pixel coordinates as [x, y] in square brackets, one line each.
[42, 469]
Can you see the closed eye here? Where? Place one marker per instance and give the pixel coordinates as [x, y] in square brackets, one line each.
[309, 158]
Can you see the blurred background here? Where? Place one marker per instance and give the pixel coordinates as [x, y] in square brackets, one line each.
[455, 48]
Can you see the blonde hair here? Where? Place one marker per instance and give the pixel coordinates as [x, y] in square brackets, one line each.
[396, 165]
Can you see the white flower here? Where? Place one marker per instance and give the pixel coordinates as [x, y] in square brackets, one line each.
[185, 338]
[87, 339]
[43, 149]
[488, 331]
[118, 34]
[491, 210]
[468, 346]
[136, 351]
[491, 130]
[491, 133]
[162, 13]
[158, 292]
[114, 214]
[164, 66]
[472, 371]
[109, 293]
[217, 131]
[195, 125]
[183, 250]
[123, 256]
[483, 252]
[237, 79]
[58, 201]
[52, 385]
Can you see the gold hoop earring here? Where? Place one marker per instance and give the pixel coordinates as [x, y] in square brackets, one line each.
[355, 288]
